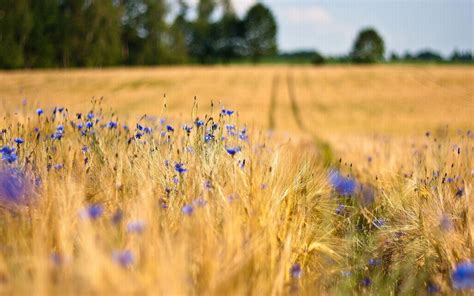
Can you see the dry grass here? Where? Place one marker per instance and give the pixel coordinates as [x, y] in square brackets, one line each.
[249, 225]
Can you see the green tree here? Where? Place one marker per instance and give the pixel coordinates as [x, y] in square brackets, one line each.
[180, 34]
[40, 48]
[368, 47]
[260, 32]
[204, 33]
[230, 36]
[101, 42]
[15, 26]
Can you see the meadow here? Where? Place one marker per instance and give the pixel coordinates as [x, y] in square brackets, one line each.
[237, 180]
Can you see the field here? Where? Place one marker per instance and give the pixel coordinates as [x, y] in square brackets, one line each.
[327, 180]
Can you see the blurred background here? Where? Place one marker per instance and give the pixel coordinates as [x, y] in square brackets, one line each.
[91, 33]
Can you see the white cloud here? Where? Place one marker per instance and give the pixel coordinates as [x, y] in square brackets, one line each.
[308, 15]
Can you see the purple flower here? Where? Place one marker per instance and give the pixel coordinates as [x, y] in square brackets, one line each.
[343, 185]
[117, 217]
[198, 123]
[112, 125]
[187, 128]
[179, 167]
[89, 124]
[124, 258]
[14, 187]
[340, 209]
[295, 271]
[187, 209]
[19, 141]
[91, 212]
[39, 111]
[446, 223]
[379, 222]
[232, 150]
[366, 282]
[169, 128]
[463, 276]
[374, 262]
[137, 226]
[227, 112]
[90, 115]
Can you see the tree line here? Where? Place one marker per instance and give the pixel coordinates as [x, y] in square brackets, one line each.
[99, 33]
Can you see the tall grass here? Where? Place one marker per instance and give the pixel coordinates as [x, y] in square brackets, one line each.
[151, 208]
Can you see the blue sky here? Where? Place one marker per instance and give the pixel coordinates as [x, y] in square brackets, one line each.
[331, 26]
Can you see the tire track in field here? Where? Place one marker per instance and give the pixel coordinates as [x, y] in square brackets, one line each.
[273, 101]
[323, 146]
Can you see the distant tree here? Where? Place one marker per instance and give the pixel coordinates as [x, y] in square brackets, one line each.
[15, 25]
[260, 32]
[180, 35]
[407, 56]
[101, 42]
[70, 41]
[428, 55]
[204, 33]
[394, 57]
[154, 28]
[318, 58]
[41, 45]
[230, 36]
[368, 47]
[459, 56]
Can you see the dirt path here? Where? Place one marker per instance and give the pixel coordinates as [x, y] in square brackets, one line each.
[323, 146]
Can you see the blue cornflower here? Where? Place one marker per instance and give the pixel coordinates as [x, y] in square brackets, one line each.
[91, 212]
[227, 112]
[295, 271]
[379, 222]
[19, 141]
[112, 124]
[446, 224]
[343, 185]
[243, 135]
[89, 124]
[432, 288]
[60, 109]
[187, 210]
[340, 209]
[232, 150]
[90, 115]
[463, 276]
[199, 123]
[374, 262]
[14, 187]
[241, 163]
[366, 282]
[117, 217]
[208, 138]
[56, 258]
[138, 135]
[179, 167]
[200, 202]
[136, 226]
[58, 166]
[229, 127]
[139, 127]
[8, 154]
[124, 258]
[169, 128]
[187, 128]
[147, 130]
[84, 149]
[39, 111]
[7, 150]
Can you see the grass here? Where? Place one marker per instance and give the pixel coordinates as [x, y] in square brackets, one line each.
[277, 223]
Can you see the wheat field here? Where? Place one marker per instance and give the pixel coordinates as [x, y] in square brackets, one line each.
[237, 180]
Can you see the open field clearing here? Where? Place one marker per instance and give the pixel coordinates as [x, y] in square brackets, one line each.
[372, 195]
[332, 99]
